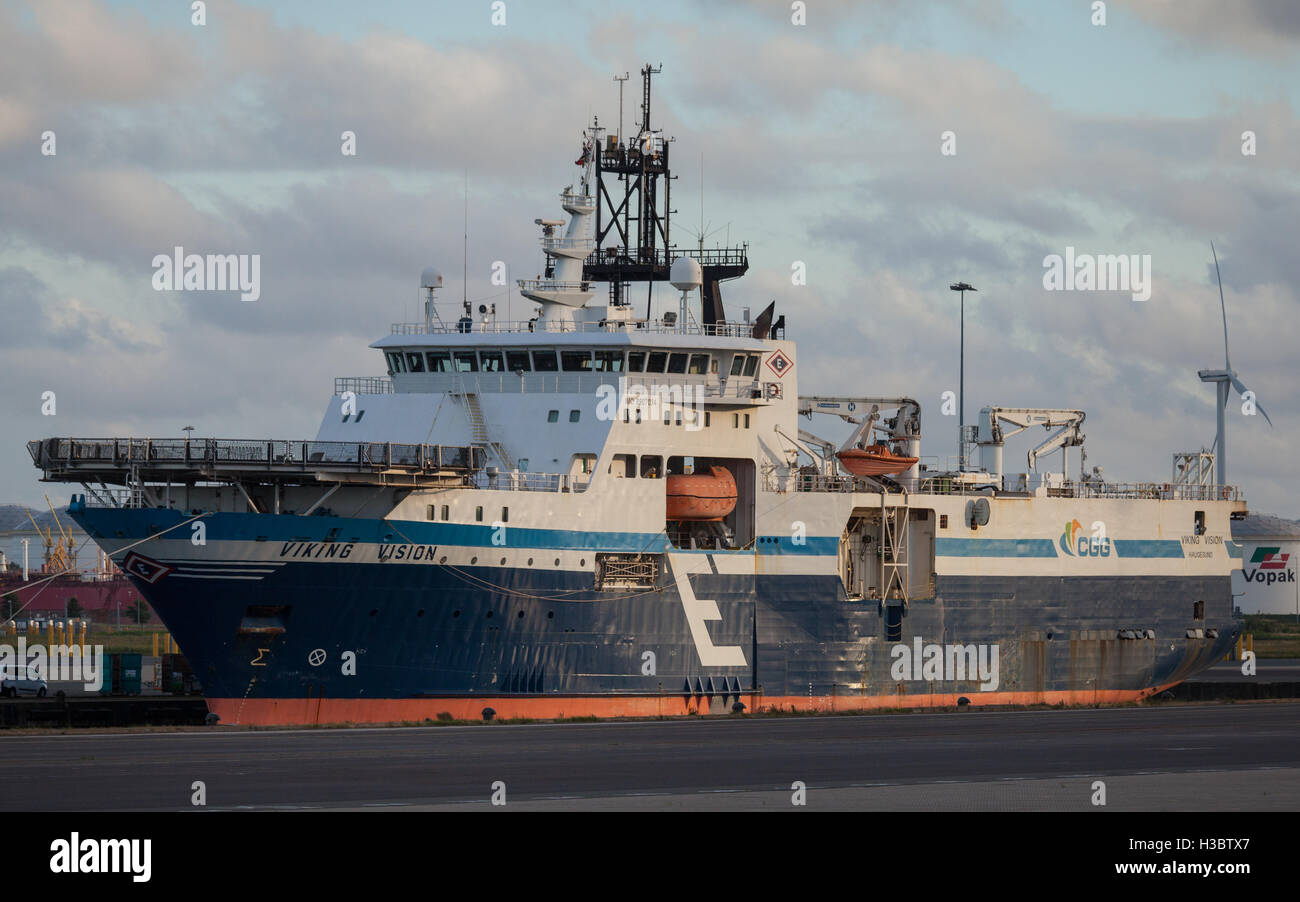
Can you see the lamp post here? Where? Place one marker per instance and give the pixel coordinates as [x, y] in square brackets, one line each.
[25, 541]
[962, 288]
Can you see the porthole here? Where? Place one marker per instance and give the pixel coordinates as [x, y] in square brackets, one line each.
[443, 559]
[582, 563]
[557, 562]
[530, 562]
[503, 562]
[521, 615]
[473, 560]
[550, 615]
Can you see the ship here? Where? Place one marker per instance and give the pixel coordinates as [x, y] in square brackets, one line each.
[607, 510]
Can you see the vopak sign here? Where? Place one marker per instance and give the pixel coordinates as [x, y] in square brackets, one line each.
[1271, 566]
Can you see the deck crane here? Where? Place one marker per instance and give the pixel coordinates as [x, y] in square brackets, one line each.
[904, 428]
[991, 434]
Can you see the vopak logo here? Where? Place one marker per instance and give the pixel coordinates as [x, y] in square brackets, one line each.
[1270, 560]
[1076, 543]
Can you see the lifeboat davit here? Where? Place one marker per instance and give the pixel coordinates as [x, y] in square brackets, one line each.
[874, 460]
[702, 496]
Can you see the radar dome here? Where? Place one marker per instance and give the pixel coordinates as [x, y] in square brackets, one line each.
[430, 278]
[686, 274]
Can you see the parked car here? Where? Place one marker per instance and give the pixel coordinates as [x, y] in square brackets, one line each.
[18, 679]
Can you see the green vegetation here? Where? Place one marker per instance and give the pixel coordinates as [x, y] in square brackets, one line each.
[1276, 635]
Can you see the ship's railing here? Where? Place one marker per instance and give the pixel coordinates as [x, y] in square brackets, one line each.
[947, 485]
[568, 244]
[577, 200]
[61, 455]
[553, 284]
[104, 497]
[363, 385]
[727, 330]
[710, 256]
[678, 388]
[512, 481]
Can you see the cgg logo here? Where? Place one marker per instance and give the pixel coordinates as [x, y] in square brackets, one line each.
[1076, 544]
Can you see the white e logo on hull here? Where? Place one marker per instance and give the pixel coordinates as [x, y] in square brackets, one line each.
[698, 610]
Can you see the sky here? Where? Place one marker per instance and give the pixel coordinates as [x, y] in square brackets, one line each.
[821, 143]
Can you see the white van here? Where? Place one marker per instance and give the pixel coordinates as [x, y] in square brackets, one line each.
[17, 678]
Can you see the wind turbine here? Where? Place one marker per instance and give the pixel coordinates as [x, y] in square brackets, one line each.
[1223, 379]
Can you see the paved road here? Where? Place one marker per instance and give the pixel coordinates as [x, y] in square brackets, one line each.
[1197, 757]
[1267, 670]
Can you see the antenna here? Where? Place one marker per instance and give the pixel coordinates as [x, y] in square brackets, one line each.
[620, 79]
[464, 254]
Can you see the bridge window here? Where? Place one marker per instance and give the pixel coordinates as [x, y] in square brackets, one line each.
[751, 364]
[737, 364]
[490, 361]
[635, 361]
[576, 361]
[415, 361]
[439, 361]
[395, 362]
[466, 362]
[699, 365]
[677, 363]
[545, 362]
[609, 361]
[552, 416]
[656, 362]
[517, 360]
[575, 415]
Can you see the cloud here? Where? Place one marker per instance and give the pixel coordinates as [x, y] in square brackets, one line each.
[1253, 26]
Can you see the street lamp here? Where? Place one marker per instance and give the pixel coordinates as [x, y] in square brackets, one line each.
[962, 287]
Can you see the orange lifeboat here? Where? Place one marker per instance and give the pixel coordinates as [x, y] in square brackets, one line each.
[702, 496]
[874, 460]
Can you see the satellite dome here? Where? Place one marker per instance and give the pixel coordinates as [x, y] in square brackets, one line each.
[430, 278]
[686, 274]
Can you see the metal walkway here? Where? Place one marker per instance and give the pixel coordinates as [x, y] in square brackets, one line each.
[129, 460]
